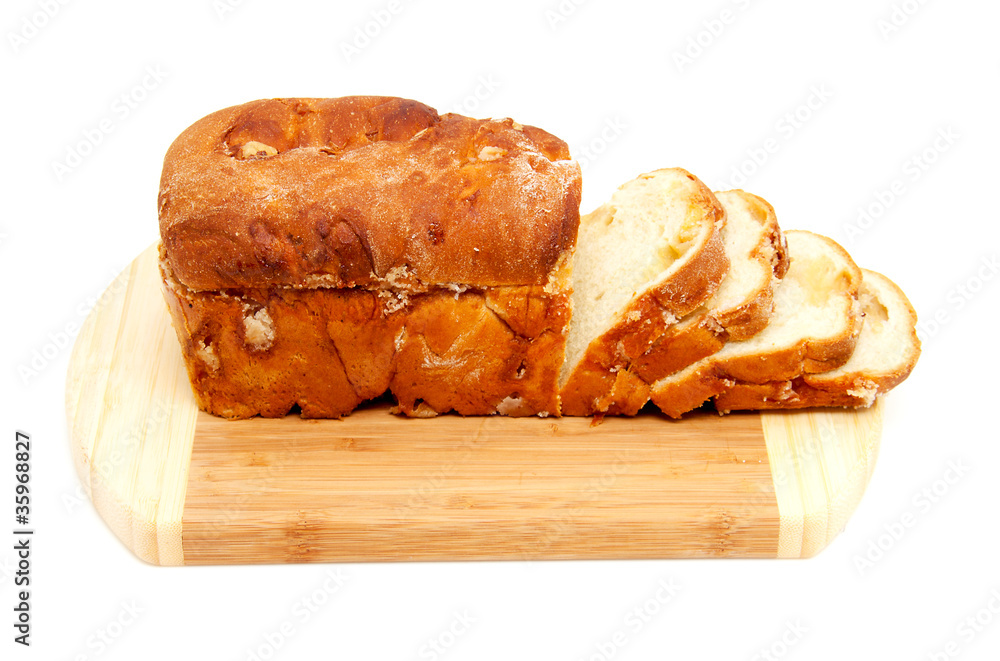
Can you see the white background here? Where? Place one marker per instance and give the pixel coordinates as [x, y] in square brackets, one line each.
[607, 77]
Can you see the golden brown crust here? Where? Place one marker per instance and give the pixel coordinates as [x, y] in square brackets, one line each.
[685, 344]
[627, 396]
[459, 354]
[595, 385]
[749, 318]
[475, 352]
[701, 382]
[358, 191]
[303, 367]
[794, 394]
[676, 396]
[804, 358]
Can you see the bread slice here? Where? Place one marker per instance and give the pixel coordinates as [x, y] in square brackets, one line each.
[649, 256]
[742, 305]
[814, 328]
[886, 353]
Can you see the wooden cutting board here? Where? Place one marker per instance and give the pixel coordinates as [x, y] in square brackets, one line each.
[179, 486]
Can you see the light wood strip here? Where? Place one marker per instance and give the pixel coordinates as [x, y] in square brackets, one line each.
[821, 465]
[131, 416]
[90, 368]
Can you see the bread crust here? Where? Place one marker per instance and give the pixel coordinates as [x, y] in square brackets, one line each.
[743, 321]
[699, 383]
[691, 388]
[793, 394]
[477, 352]
[363, 191]
[596, 385]
[858, 388]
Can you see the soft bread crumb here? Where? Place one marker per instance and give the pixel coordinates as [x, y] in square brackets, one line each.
[560, 277]
[401, 282]
[865, 391]
[320, 281]
[713, 325]
[510, 404]
[401, 277]
[749, 243]
[393, 301]
[457, 288]
[886, 344]
[259, 329]
[636, 241]
[876, 314]
[423, 410]
[816, 301]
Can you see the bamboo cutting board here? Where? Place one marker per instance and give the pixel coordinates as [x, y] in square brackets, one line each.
[179, 486]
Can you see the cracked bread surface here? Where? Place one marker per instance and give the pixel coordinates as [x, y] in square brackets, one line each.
[475, 352]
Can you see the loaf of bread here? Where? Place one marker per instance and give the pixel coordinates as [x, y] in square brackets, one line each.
[317, 253]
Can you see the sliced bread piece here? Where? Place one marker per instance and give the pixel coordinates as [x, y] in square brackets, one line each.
[886, 353]
[740, 308]
[814, 328]
[649, 256]
[742, 305]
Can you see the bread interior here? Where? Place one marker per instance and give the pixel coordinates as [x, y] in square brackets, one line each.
[626, 246]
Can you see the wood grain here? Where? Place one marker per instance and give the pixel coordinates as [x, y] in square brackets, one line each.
[379, 487]
[821, 464]
[131, 414]
[178, 486]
